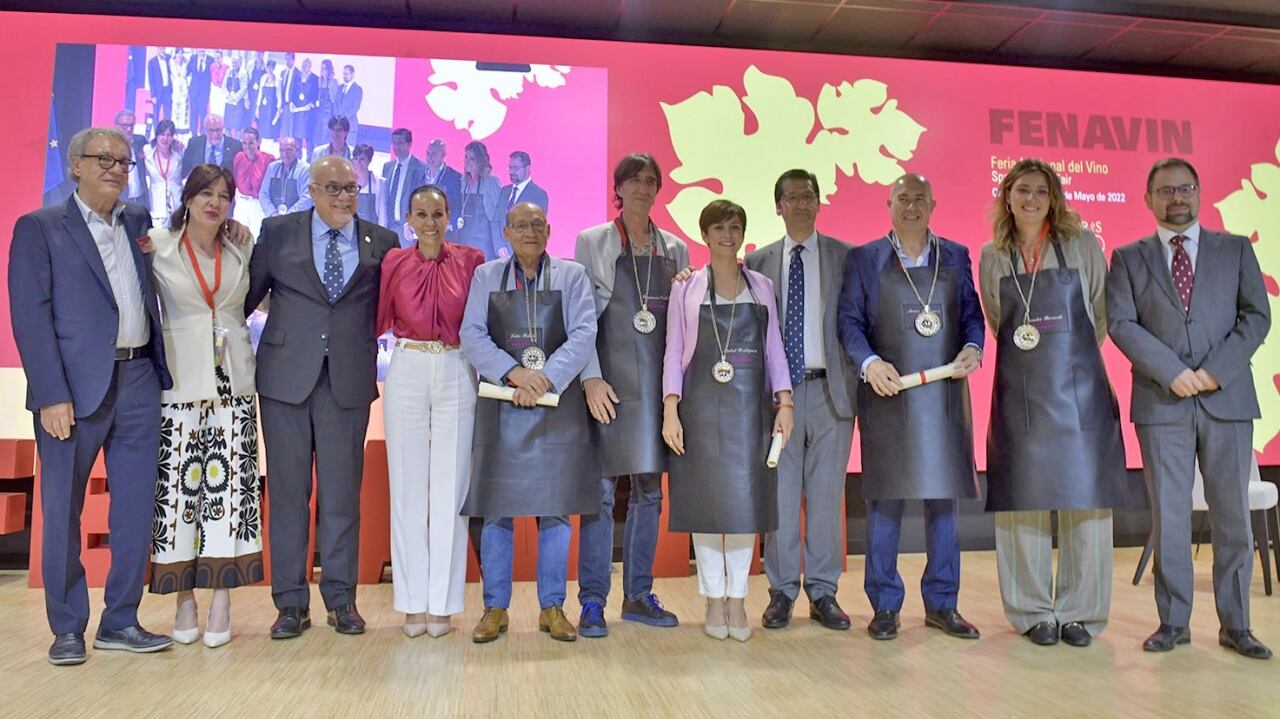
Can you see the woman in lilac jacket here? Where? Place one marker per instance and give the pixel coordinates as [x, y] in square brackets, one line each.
[723, 370]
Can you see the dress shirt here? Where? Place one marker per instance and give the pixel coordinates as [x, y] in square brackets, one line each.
[347, 246]
[519, 188]
[814, 355]
[1191, 244]
[164, 70]
[403, 179]
[249, 173]
[112, 241]
[432, 177]
[424, 299]
[213, 151]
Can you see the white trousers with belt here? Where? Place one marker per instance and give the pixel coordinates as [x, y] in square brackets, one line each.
[428, 405]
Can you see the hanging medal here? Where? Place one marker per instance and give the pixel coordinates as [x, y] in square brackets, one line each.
[723, 370]
[533, 357]
[643, 320]
[1026, 336]
[928, 322]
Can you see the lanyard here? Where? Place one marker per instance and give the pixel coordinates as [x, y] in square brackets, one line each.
[1037, 251]
[217, 271]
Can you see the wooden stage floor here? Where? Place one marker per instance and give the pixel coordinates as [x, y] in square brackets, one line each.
[802, 671]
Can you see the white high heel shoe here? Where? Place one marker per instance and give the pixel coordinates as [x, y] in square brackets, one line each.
[214, 640]
[186, 636]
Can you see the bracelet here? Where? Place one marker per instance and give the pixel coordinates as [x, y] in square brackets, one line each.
[780, 405]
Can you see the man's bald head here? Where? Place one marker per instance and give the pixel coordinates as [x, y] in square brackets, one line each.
[913, 180]
[911, 204]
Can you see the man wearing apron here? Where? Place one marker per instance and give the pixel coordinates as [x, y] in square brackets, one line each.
[530, 323]
[285, 189]
[908, 304]
[631, 263]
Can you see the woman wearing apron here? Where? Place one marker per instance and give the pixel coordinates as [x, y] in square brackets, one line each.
[480, 218]
[369, 199]
[1054, 441]
[724, 354]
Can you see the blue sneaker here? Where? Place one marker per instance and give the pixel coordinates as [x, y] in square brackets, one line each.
[591, 623]
[648, 610]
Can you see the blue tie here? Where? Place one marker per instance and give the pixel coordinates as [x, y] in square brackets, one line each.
[333, 280]
[793, 335]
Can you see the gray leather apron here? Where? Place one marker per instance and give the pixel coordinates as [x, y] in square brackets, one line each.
[632, 363]
[531, 462]
[367, 204]
[721, 484]
[1054, 441]
[919, 444]
[283, 190]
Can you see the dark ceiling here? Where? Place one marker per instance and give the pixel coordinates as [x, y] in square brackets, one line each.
[1224, 39]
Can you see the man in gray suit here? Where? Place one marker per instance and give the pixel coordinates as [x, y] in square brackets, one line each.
[522, 187]
[347, 101]
[807, 270]
[1188, 307]
[401, 175]
[317, 375]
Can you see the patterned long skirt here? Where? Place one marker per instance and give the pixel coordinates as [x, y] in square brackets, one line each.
[207, 531]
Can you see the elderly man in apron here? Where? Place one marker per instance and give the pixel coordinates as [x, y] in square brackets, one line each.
[530, 323]
[908, 304]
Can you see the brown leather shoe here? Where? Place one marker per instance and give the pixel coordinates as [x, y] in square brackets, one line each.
[553, 620]
[491, 625]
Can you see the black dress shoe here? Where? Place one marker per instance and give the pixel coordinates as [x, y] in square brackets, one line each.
[884, 625]
[346, 620]
[778, 613]
[950, 621]
[1243, 643]
[67, 649]
[291, 622]
[828, 613]
[1166, 638]
[131, 639]
[1076, 635]
[1043, 633]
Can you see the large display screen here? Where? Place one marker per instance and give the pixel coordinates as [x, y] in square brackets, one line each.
[721, 122]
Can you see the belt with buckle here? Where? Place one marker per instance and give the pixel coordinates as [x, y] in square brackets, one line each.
[435, 347]
[812, 374]
[124, 354]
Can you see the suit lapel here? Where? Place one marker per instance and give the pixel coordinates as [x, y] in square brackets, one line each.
[79, 231]
[1153, 254]
[830, 278]
[1206, 271]
[302, 236]
[366, 255]
[772, 267]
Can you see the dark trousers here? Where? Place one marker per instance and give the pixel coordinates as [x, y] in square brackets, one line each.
[127, 427]
[940, 584]
[332, 436]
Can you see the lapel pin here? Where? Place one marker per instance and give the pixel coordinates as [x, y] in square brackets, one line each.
[366, 239]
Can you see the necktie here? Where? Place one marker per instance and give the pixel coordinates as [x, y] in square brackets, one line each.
[1183, 275]
[793, 336]
[511, 202]
[213, 154]
[333, 280]
[391, 194]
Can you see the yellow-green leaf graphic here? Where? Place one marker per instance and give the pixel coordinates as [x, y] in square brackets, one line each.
[861, 131]
[1255, 209]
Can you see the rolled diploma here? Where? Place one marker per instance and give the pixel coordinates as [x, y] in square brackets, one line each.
[507, 394]
[775, 450]
[915, 379]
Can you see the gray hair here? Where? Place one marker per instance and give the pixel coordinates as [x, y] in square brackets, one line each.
[85, 136]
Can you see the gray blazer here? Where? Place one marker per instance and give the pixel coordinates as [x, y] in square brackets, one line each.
[1228, 320]
[842, 376]
[301, 323]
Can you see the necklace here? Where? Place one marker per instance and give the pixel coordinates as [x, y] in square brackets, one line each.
[532, 357]
[928, 322]
[723, 371]
[644, 320]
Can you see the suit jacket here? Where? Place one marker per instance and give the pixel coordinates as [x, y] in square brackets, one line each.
[63, 311]
[1228, 320]
[532, 193]
[200, 80]
[347, 104]
[160, 86]
[860, 295]
[188, 323]
[197, 150]
[415, 176]
[139, 144]
[305, 91]
[842, 376]
[302, 323]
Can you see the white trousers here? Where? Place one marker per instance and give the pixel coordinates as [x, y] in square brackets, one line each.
[428, 405]
[248, 212]
[724, 561]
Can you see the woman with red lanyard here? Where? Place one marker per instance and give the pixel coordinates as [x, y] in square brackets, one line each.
[208, 524]
[1054, 441]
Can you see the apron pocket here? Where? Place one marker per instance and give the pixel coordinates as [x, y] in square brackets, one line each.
[1092, 400]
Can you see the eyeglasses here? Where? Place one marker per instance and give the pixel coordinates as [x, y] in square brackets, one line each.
[1184, 191]
[107, 162]
[333, 189]
[522, 227]
[800, 198]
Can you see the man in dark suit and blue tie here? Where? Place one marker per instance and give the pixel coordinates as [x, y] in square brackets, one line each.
[87, 326]
[317, 374]
[908, 304]
[522, 187]
[200, 81]
[401, 175]
[213, 147]
[1188, 307]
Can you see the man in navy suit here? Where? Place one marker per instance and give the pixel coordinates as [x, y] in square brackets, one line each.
[160, 85]
[908, 304]
[213, 147]
[87, 326]
[522, 187]
[200, 79]
[135, 190]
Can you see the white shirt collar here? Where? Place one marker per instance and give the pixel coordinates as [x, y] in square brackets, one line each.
[811, 241]
[1192, 234]
[89, 214]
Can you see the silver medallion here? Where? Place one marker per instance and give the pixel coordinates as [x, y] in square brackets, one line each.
[928, 322]
[533, 357]
[1026, 337]
[722, 372]
[644, 321]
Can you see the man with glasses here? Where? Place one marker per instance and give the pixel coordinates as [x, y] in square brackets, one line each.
[87, 326]
[807, 270]
[284, 188]
[522, 187]
[316, 377]
[1188, 307]
[213, 147]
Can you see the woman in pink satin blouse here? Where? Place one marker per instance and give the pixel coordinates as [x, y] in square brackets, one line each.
[428, 409]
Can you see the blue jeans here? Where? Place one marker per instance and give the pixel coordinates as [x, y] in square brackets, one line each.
[497, 542]
[941, 581]
[639, 541]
